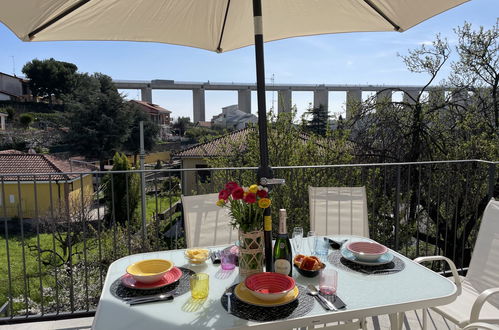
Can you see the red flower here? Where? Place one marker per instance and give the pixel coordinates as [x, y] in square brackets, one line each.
[231, 186]
[250, 198]
[262, 193]
[238, 193]
[223, 194]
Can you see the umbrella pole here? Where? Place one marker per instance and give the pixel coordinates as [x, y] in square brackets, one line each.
[264, 170]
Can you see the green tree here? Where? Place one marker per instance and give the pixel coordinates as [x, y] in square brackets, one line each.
[151, 130]
[453, 125]
[288, 145]
[182, 124]
[477, 69]
[100, 118]
[202, 134]
[25, 120]
[50, 77]
[121, 192]
[318, 124]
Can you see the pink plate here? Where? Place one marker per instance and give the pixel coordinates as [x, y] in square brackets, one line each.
[170, 277]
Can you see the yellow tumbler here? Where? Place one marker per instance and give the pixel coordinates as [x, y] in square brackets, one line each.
[200, 285]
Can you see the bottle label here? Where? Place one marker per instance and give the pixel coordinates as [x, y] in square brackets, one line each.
[267, 221]
[282, 266]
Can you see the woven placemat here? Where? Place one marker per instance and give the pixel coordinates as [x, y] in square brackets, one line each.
[337, 260]
[299, 307]
[178, 288]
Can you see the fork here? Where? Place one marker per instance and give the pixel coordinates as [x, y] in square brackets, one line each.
[370, 272]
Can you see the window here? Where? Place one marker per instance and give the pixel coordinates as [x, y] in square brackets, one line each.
[203, 176]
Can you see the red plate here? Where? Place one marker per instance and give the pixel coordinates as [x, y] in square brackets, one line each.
[170, 277]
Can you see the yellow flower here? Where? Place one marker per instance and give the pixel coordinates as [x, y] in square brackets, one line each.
[264, 203]
[220, 202]
[253, 188]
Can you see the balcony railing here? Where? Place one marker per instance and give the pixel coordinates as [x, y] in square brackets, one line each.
[59, 237]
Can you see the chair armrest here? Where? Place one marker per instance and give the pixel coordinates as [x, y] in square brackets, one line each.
[480, 300]
[455, 275]
[481, 325]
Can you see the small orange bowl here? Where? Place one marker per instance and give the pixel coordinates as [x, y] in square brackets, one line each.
[269, 286]
[150, 270]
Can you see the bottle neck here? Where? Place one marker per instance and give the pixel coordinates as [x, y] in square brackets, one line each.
[282, 222]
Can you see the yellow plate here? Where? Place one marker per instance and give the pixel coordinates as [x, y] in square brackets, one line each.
[243, 294]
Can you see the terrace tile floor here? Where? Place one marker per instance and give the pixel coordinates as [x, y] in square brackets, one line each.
[412, 322]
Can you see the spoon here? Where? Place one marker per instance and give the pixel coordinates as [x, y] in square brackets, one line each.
[314, 292]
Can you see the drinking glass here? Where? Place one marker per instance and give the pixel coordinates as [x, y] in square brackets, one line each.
[228, 259]
[328, 281]
[200, 285]
[297, 239]
[311, 241]
[321, 246]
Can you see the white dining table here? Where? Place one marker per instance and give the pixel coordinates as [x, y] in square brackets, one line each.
[415, 287]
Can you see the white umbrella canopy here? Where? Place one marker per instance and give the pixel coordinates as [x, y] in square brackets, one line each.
[215, 25]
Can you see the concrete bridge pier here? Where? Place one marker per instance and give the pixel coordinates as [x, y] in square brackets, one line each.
[146, 94]
[198, 105]
[354, 99]
[384, 95]
[410, 96]
[321, 97]
[244, 100]
[284, 101]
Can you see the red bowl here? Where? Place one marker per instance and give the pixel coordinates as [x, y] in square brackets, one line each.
[269, 286]
[367, 251]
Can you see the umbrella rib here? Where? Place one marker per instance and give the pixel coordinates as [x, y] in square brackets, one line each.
[382, 14]
[68, 11]
[219, 50]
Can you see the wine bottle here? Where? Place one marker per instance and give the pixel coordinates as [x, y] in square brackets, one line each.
[282, 248]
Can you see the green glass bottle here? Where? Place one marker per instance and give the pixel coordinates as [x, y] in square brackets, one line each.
[282, 249]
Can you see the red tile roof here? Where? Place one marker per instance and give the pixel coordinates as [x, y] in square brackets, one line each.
[224, 145]
[151, 107]
[11, 151]
[15, 163]
[217, 147]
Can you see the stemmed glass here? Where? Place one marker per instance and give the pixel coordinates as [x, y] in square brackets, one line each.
[297, 239]
[311, 241]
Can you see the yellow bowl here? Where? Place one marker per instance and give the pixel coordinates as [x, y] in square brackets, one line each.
[150, 270]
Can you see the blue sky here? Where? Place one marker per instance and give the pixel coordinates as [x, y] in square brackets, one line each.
[352, 58]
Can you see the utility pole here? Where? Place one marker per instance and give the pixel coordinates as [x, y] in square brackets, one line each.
[143, 182]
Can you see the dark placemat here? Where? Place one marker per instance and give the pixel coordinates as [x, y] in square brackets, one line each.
[395, 266]
[178, 288]
[299, 307]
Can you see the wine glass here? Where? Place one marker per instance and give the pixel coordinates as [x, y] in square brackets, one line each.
[311, 241]
[297, 238]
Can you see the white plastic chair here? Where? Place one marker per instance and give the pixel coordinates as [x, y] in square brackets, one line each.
[338, 211]
[481, 325]
[478, 300]
[206, 224]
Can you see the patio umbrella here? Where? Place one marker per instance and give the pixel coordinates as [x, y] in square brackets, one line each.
[215, 25]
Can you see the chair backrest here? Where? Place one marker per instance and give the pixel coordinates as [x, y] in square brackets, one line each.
[206, 224]
[483, 272]
[338, 210]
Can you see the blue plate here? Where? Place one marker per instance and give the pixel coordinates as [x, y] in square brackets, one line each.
[384, 259]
